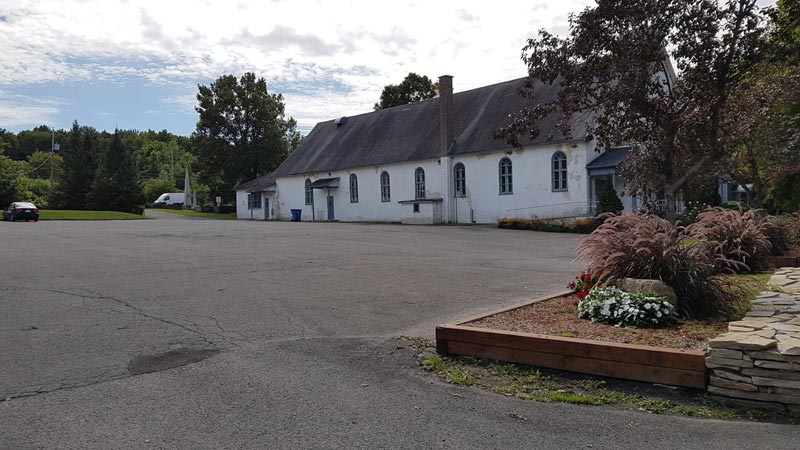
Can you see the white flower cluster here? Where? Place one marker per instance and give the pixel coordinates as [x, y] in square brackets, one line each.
[614, 306]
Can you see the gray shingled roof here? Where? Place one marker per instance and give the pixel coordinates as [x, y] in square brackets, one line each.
[411, 132]
[257, 184]
[610, 158]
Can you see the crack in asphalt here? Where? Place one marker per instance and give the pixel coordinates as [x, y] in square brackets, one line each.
[134, 309]
[61, 384]
[225, 338]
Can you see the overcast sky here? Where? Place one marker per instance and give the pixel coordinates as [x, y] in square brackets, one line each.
[137, 64]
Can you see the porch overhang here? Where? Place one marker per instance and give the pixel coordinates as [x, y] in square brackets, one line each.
[325, 183]
[267, 190]
[598, 171]
[421, 200]
[607, 163]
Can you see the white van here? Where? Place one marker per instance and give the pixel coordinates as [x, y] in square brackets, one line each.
[169, 199]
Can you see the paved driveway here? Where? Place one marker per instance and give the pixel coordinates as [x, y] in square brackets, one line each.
[298, 322]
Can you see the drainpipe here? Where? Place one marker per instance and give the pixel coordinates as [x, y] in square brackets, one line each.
[446, 141]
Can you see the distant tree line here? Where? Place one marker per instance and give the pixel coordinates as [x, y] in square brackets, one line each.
[92, 169]
[242, 133]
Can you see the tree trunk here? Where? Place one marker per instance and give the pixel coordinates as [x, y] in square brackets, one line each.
[670, 204]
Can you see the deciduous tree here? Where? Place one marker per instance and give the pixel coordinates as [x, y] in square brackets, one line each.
[242, 132]
[761, 128]
[414, 88]
[613, 72]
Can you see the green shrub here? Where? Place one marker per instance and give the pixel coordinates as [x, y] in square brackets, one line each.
[615, 307]
[690, 212]
[784, 195]
[649, 247]
[36, 190]
[609, 202]
[202, 193]
[157, 186]
[583, 226]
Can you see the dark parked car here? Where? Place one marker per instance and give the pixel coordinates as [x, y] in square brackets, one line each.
[21, 211]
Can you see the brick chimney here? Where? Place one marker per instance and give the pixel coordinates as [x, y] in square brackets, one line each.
[445, 113]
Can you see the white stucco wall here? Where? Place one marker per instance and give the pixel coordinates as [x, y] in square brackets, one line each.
[370, 208]
[532, 182]
[243, 213]
[531, 169]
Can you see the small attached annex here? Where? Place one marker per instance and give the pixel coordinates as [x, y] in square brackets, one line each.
[435, 161]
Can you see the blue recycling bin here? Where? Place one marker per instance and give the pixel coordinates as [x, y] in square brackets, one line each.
[296, 215]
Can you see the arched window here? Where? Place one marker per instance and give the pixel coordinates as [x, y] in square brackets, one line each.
[506, 181]
[559, 171]
[386, 193]
[309, 193]
[419, 183]
[353, 188]
[460, 180]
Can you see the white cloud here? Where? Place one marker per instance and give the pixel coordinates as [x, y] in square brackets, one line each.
[360, 44]
[19, 110]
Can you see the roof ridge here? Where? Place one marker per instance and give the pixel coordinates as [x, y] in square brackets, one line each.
[423, 102]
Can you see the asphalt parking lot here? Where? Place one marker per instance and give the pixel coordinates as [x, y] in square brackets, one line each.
[217, 334]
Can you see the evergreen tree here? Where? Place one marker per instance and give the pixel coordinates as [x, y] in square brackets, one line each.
[116, 186]
[79, 167]
[609, 201]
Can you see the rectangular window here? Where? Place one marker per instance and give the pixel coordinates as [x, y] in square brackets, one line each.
[254, 201]
[460, 180]
[559, 172]
[416, 207]
[506, 181]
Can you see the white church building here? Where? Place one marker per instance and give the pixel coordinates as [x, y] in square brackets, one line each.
[436, 161]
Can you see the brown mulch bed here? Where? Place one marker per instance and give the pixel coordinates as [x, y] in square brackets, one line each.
[558, 317]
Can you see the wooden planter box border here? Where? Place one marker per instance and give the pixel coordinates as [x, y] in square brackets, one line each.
[784, 261]
[627, 361]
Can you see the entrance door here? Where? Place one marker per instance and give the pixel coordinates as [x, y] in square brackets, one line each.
[601, 183]
[266, 208]
[330, 207]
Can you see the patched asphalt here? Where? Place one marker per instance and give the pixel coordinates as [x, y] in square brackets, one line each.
[239, 335]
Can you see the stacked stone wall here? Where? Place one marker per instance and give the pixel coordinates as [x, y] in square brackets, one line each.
[759, 358]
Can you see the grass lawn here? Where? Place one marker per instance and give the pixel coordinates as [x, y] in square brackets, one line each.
[68, 214]
[752, 284]
[187, 212]
[553, 386]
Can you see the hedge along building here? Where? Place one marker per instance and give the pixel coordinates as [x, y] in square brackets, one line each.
[435, 161]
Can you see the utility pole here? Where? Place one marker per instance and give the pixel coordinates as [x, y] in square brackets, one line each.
[53, 148]
[52, 151]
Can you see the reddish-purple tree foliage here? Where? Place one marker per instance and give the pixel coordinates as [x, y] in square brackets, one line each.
[615, 70]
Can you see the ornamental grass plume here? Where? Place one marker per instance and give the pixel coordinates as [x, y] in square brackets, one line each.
[741, 236]
[649, 247]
